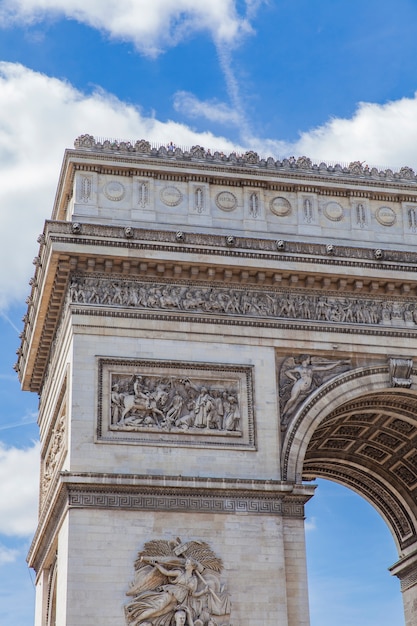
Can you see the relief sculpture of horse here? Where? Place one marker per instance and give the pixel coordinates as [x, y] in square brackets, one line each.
[143, 407]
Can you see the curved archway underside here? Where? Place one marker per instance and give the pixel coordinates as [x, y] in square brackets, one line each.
[370, 445]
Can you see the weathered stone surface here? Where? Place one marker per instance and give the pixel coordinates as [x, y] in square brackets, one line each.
[206, 332]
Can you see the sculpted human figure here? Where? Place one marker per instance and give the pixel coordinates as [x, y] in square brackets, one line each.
[174, 412]
[203, 408]
[302, 375]
[116, 404]
[183, 584]
[183, 616]
[140, 391]
[232, 417]
[226, 408]
[218, 411]
[187, 421]
[177, 584]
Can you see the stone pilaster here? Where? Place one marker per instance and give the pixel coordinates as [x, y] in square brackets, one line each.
[406, 570]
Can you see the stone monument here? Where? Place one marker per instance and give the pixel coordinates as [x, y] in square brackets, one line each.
[208, 334]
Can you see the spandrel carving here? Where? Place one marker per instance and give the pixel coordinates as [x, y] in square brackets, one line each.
[300, 376]
[174, 404]
[178, 583]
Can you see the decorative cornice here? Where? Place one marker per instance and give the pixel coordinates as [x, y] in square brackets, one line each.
[250, 159]
[406, 570]
[244, 247]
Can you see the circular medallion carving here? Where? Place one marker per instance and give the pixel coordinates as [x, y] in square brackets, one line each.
[333, 211]
[280, 206]
[385, 216]
[171, 196]
[226, 201]
[114, 191]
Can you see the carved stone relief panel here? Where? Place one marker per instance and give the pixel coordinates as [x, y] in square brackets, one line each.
[359, 210]
[54, 452]
[178, 583]
[115, 192]
[171, 196]
[85, 191]
[280, 206]
[143, 193]
[226, 201]
[161, 403]
[247, 302]
[410, 217]
[253, 204]
[386, 216]
[199, 195]
[307, 208]
[300, 376]
[333, 211]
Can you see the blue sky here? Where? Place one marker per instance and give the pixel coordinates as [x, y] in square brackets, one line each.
[332, 79]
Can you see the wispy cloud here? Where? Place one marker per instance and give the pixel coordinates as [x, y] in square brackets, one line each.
[9, 321]
[212, 110]
[224, 54]
[30, 418]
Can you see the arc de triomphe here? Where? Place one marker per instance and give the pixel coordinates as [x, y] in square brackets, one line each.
[207, 334]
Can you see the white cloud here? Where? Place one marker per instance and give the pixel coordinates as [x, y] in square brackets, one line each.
[39, 118]
[7, 555]
[212, 110]
[381, 134]
[19, 487]
[152, 25]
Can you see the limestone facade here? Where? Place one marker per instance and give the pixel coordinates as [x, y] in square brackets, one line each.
[207, 334]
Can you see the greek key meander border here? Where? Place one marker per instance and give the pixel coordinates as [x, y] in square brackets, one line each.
[186, 502]
[408, 581]
[246, 370]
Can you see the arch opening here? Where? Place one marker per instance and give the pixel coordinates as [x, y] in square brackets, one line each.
[361, 433]
[369, 444]
[349, 548]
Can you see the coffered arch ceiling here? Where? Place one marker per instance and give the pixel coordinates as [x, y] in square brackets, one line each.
[370, 445]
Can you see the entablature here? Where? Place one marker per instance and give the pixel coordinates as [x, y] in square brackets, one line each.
[321, 286]
[164, 493]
